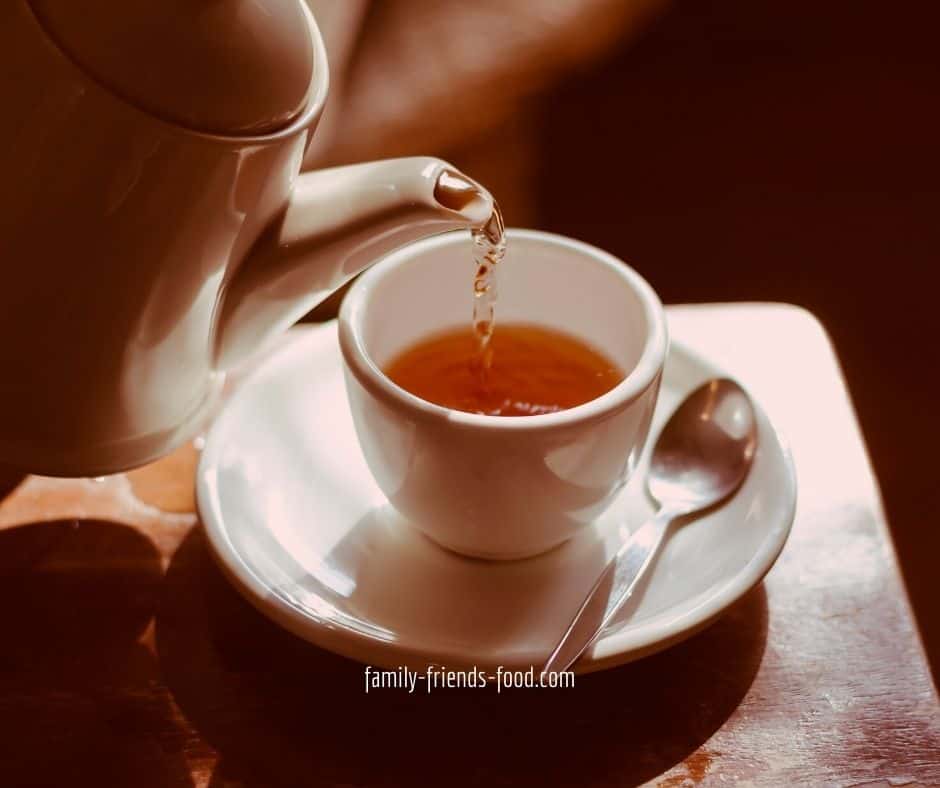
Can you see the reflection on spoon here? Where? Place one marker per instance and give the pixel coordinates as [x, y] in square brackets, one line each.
[701, 457]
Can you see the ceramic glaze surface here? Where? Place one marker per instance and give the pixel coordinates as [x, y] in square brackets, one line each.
[502, 487]
[181, 59]
[297, 521]
[139, 258]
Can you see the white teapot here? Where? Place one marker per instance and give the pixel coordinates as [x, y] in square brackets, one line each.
[154, 227]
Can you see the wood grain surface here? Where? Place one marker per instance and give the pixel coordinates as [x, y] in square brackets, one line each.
[128, 660]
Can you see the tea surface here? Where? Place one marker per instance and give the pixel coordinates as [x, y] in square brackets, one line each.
[530, 370]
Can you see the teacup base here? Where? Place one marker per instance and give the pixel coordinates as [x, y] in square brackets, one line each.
[479, 555]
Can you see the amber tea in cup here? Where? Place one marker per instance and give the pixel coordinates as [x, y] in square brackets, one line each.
[527, 370]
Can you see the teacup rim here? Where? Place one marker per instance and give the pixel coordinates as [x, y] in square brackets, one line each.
[644, 373]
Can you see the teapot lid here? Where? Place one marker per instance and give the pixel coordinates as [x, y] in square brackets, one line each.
[232, 67]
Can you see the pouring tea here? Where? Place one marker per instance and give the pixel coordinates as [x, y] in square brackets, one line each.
[154, 227]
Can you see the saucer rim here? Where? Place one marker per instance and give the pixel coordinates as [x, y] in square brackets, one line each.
[617, 648]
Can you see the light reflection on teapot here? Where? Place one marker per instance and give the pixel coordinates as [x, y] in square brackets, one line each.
[143, 251]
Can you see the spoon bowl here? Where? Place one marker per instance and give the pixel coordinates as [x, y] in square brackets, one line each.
[705, 450]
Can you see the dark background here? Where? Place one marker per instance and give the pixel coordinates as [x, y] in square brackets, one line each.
[783, 151]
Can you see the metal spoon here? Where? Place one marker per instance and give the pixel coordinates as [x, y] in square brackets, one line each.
[701, 457]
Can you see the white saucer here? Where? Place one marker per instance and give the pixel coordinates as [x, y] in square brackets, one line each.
[297, 523]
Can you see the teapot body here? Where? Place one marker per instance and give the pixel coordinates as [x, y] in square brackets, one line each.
[140, 257]
[117, 231]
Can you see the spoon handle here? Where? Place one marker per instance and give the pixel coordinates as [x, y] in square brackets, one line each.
[614, 586]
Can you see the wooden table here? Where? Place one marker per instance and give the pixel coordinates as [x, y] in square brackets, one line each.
[127, 660]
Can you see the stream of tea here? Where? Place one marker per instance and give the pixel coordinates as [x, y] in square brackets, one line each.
[523, 369]
[489, 248]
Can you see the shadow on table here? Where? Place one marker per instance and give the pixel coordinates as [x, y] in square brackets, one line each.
[79, 700]
[282, 712]
[10, 479]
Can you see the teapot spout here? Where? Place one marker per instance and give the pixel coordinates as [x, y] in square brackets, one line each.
[337, 223]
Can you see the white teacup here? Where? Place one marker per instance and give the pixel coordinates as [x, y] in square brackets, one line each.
[497, 486]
